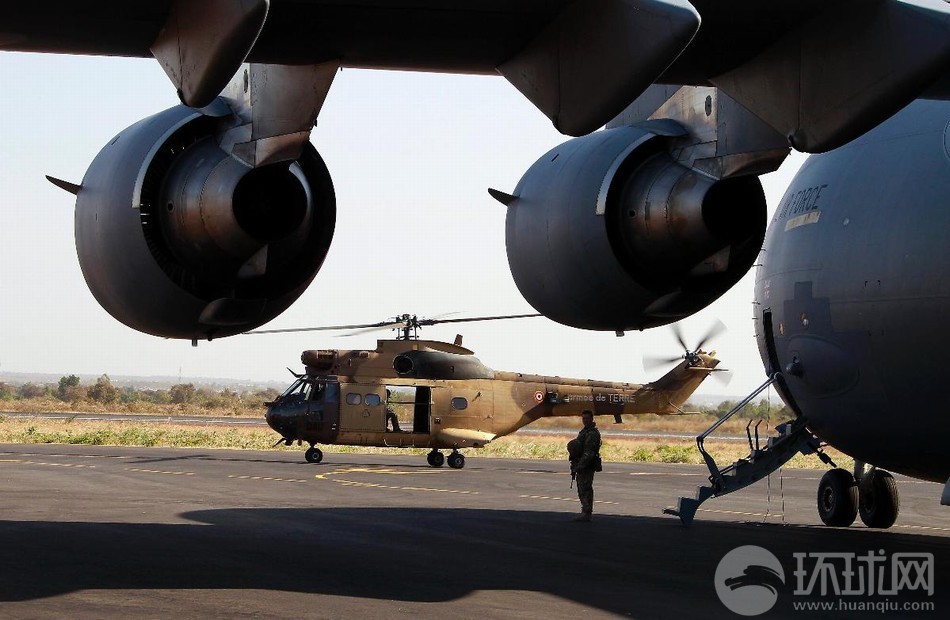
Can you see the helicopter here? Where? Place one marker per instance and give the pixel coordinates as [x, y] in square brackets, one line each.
[414, 393]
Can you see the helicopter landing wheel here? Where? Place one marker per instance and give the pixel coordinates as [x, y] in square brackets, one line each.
[456, 460]
[313, 454]
[435, 458]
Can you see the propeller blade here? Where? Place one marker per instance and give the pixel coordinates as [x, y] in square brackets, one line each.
[715, 330]
[678, 333]
[723, 377]
[654, 363]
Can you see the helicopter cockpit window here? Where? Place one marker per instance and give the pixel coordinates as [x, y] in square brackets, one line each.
[352, 398]
[459, 403]
[372, 400]
[297, 387]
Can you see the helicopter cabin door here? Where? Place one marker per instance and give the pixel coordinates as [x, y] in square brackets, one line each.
[323, 411]
[422, 410]
[362, 407]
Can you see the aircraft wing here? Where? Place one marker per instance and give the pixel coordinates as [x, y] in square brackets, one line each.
[581, 63]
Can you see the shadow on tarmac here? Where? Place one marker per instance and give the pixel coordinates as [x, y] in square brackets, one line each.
[645, 567]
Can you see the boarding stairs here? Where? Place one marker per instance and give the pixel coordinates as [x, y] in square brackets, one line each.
[793, 437]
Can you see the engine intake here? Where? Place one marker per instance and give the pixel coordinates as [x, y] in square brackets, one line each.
[179, 239]
[609, 232]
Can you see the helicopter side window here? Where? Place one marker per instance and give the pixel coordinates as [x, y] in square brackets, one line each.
[353, 398]
[459, 403]
[372, 400]
[317, 391]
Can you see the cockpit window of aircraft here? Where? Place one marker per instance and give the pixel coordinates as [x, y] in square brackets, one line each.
[295, 388]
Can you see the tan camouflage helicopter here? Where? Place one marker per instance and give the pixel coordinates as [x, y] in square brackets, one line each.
[412, 393]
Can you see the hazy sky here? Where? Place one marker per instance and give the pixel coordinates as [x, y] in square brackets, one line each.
[411, 157]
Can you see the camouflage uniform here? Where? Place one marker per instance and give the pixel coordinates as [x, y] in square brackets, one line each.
[589, 438]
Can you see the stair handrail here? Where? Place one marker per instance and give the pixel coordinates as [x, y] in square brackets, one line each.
[710, 461]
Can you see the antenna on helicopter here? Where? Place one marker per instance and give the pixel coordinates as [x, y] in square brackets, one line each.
[408, 325]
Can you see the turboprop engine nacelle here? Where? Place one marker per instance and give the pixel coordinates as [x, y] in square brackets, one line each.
[609, 232]
[179, 239]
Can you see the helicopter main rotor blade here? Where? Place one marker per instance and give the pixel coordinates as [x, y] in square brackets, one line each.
[381, 325]
[714, 330]
[378, 328]
[477, 318]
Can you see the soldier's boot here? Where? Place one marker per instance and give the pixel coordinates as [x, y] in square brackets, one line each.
[584, 517]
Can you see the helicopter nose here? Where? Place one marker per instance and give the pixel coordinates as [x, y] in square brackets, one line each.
[272, 417]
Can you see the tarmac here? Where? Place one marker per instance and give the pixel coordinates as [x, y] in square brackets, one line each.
[106, 532]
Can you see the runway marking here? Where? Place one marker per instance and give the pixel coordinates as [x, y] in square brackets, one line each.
[565, 499]
[268, 478]
[376, 470]
[922, 527]
[662, 473]
[354, 483]
[738, 512]
[159, 471]
[71, 465]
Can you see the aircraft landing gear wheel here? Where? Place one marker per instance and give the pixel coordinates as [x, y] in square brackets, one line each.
[313, 454]
[837, 498]
[879, 502]
[456, 460]
[435, 458]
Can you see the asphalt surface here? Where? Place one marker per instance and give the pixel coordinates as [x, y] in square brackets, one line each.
[99, 532]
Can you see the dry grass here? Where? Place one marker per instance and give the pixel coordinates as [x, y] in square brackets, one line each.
[49, 404]
[217, 436]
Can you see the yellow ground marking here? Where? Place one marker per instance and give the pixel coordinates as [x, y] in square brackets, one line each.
[354, 483]
[268, 478]
[387, 471]
[71, 465]
[159, 471]
[565, 499]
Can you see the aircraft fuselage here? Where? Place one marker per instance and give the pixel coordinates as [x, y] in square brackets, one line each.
[853, 293]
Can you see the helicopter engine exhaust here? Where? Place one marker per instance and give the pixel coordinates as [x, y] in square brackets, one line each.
[179, 239]
[609, 232]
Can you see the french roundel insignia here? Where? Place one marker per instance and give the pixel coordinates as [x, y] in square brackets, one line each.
[539, 396]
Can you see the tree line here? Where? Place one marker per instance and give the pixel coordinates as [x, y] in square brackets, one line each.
[70, 389]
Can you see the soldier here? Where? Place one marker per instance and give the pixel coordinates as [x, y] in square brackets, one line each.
[585, 460]
[391, 415]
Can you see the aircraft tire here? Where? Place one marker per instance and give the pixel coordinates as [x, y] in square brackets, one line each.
[313, 454]
[837, 498]
[456, 460]
[880, 501]
[436, 458]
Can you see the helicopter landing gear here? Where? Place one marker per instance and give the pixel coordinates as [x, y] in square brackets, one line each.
[456, 460]
[436, 459]
[837, 498]
[313, 454]
[879, 502]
